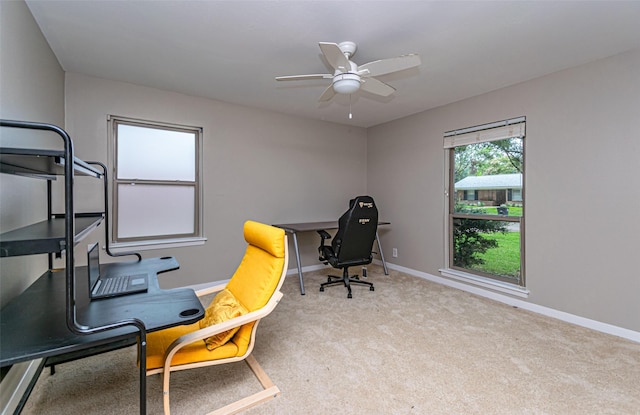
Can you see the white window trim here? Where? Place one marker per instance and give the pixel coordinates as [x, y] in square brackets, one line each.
[120, 247]
[473, 134]
[483, 282]
[144, 245]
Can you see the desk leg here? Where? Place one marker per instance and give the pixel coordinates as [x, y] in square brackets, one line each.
[297, 251]
[384, 264]
[143, 372]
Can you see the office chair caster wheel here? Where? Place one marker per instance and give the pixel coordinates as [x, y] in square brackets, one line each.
[371, 288]
[321, 289]
[349, 295]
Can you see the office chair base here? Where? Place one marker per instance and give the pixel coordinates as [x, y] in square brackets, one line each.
[346, 280]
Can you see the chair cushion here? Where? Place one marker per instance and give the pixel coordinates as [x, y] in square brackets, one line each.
[159, 341]
[250, 288]
[223, 307]
[258, 275]
[268, 238]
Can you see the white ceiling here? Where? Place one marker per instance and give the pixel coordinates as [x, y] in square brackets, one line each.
[232, 50]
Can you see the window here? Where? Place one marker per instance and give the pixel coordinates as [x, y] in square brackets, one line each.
[156, 183]
[486, 203]
[515, 195]
[470, 195]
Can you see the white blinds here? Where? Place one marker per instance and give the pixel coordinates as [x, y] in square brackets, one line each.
[481, 134]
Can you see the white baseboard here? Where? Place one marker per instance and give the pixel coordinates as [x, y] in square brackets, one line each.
[505, 299]
[309, 268]
[525, 305]
[16, 383]
[205, 285]
[290, 271]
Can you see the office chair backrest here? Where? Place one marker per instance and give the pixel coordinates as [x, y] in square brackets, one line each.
[356, 231]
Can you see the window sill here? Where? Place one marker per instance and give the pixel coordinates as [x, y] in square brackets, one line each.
[485, 282]
[149, 245]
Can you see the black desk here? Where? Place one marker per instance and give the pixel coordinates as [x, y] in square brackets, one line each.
[294, 228]
[33, 325]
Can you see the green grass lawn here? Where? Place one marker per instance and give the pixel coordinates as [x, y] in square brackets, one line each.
[505, 260]
[493, 210]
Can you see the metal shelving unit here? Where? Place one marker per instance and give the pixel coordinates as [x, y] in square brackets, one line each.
[58, 231]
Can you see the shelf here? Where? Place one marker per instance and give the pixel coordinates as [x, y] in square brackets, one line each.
[56, 330]
[47, 236]
[46, 164]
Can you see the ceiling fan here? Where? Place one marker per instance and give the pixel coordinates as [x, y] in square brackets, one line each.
[349, 77]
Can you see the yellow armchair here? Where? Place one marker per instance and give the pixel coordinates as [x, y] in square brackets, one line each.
[227, 332]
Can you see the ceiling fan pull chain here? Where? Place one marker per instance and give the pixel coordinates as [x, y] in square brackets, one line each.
[350, 115]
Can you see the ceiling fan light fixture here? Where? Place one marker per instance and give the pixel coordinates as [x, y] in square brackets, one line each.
[348, 77]
[346, 83]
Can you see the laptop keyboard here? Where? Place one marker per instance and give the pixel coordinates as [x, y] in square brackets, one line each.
[114, 284]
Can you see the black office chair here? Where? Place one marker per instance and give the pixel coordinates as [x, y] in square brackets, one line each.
[352, 244]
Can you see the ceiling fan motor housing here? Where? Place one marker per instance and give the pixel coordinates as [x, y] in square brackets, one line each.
[348, 48]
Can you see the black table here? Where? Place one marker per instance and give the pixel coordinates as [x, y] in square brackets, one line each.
[294, 228]
[33, 325]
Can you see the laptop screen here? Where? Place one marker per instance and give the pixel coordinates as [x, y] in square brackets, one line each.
[93, 264]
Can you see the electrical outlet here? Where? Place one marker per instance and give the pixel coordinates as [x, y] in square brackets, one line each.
[394, 253]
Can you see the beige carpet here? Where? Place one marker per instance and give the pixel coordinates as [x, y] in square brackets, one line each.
[409, 347]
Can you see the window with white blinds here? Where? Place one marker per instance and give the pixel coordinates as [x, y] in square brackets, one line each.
[486, 201]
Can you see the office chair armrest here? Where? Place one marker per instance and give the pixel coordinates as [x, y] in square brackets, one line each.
[324, 235]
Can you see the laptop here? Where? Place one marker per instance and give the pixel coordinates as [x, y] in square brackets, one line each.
[111, 286]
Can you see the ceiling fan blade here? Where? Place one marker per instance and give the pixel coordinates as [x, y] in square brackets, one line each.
[304, 77]
[327, 94]
[334, 56]
[376, 87]
[385, 66]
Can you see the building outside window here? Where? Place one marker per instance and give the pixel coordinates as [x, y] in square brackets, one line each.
[486, 203]
[156, 182]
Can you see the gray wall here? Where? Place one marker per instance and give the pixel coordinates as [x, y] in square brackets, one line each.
[257, 165]
[31, 88]
[582, 151]
[581, 187]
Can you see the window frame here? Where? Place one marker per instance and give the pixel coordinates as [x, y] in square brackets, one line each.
[159, 240]
[475, 276]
